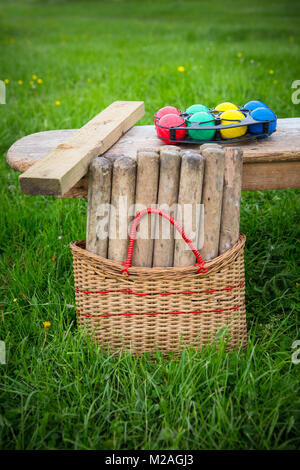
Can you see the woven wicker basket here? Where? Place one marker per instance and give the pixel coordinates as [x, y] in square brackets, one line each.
[161, 308]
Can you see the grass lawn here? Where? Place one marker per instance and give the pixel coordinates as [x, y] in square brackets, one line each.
[58, 390]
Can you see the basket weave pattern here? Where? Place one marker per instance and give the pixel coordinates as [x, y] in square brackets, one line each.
[161, 308]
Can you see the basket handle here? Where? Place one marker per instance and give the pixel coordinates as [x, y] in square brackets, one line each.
[200, 262]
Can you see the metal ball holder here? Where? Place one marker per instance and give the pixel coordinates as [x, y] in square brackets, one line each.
[247, 121]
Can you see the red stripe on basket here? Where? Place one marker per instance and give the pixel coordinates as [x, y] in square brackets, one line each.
[156, 293]
[160, 313]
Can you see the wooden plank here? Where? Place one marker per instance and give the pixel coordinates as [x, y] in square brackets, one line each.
[263, 154]
[274, 175]
[62, 168]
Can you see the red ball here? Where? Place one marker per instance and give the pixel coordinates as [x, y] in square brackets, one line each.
[166, 110]
[170, 120]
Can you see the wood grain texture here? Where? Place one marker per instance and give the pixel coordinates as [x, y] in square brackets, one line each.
[170, 161]
[170, 147]
[148, 149]
[185, 152]
[188, 210]
[100, 176]
[262, 154]
[206, 146]
[63, 167]
[145, 196]
[212, 200]
[274, 175]
[231, 203]
[122, 199]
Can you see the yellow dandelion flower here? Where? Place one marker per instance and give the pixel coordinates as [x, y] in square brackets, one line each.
[271, 72]
[31, 82]
[39, 81]
[46, 324]
[180, 68]
[239, 55]
[15, 300]
[297, 284]
[34, 77]
[58, 103]
[6, 81]
[20, 82]
[89, 80]
[275, 82]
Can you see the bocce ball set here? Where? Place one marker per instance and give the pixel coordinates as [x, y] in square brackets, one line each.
[226, 122]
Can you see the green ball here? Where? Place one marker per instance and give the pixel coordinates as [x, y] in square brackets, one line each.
[204, 119]
[197, 108]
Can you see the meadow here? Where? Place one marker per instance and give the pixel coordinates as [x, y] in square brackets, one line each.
[62, 62]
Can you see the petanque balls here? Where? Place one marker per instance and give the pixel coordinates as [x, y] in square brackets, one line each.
[203, 119]
[262, 114]
[232, 117]
[166, 110]
[226, 106]
[251, 105]
[169, 121]
[196, 108]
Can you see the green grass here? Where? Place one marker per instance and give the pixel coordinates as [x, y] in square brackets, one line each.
[58, 390]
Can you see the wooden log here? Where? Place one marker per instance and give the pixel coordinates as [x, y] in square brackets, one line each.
[99, 190]
[212, 200]
[122, 200]
[146, 196]
[189, 200]
[167, 197]
[230, 218]
[62, 168]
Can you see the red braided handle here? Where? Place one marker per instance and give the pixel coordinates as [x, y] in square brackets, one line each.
[178, 227]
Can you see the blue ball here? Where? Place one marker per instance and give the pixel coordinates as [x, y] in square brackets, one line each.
[255, 104]
[262, 114]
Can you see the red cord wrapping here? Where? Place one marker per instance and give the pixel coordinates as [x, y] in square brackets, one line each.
[142, 294]
[178, 227]
[160, 313]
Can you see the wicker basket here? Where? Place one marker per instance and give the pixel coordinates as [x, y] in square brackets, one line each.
[161, 308]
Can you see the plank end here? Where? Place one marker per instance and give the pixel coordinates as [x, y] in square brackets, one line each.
[40, 186]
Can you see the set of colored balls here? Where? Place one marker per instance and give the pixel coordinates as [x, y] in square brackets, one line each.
[171, 117]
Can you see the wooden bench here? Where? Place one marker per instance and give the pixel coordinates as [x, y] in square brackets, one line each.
[272, 163]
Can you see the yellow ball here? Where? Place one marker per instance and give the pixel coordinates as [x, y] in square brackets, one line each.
[232, 117]
[225, 106]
